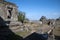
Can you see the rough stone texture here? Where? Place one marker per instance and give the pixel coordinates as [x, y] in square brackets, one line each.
[56, 30]
[8, 9]
[9, 13]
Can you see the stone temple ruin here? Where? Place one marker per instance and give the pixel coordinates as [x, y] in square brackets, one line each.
[8, 12]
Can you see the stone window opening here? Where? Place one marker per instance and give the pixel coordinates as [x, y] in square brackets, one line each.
[9, 12]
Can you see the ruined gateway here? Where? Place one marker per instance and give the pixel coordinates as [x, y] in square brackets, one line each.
[8, 11]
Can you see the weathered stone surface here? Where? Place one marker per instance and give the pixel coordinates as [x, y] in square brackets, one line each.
[8, 11]
[56, 30]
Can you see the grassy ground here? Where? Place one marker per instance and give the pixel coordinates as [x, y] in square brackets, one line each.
[23, 34]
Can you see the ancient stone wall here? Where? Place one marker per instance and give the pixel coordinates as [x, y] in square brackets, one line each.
[8, 11]
[2, 11]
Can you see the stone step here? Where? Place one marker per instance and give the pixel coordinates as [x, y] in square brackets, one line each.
[15, 27]
[18, 30]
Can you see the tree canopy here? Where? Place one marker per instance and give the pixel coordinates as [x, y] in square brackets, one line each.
[42, 18]
[21, 16]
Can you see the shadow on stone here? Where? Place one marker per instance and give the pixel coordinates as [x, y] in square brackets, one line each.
[36, 36]
[57, 37]
[6, 33]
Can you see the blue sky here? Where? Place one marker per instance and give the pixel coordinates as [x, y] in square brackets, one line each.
[34, 9]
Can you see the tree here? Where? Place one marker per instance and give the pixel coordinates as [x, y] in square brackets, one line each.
[21, 16]
[42, 18]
